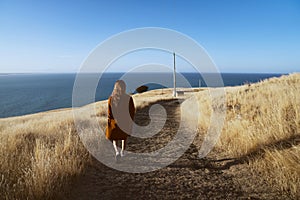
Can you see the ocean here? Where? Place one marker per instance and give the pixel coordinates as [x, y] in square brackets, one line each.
[22, 94]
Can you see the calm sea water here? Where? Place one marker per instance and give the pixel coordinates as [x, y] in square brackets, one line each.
[22, 94]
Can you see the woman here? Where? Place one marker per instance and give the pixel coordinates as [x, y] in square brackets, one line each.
[120, 116]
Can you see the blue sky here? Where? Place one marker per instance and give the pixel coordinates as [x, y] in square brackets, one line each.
[241, 36]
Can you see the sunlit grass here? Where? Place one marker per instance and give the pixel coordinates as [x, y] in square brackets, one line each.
[42, 153]
[262, 126]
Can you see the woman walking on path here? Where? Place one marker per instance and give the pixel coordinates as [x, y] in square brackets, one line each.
[120, 116]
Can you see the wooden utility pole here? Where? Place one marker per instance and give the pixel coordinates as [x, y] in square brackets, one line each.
[174, 77]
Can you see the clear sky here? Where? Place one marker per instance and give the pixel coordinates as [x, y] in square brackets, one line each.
[240, 36]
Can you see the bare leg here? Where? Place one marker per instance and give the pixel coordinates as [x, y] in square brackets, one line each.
[115, 147]
[123, 147]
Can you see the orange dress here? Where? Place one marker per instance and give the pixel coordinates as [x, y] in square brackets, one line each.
[118, 116]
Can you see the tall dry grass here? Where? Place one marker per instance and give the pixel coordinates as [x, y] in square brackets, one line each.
[262, 127]
[39, 157]
[41, 154]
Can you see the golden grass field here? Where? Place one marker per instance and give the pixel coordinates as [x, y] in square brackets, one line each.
[41, 154]
[262, 127]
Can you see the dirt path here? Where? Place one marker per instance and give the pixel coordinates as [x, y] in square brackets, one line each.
[187, 178]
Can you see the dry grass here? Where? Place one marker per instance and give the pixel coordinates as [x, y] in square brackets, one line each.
[36, 161]
[262, 127]
[42, 153]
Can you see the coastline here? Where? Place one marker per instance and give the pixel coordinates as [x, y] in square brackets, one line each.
[33, 93]
[255, 140]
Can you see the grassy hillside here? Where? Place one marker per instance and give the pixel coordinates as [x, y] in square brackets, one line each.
[262, 128]
[41, 153]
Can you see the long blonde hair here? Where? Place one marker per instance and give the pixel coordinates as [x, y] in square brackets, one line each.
[118, 92]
